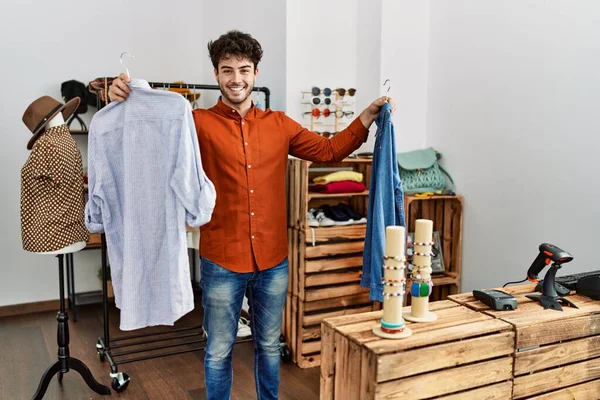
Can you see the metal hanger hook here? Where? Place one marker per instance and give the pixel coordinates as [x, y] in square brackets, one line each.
[123, 64]
[389, 86]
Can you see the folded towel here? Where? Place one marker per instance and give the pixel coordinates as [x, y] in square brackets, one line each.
[339, 187]
[339, 176]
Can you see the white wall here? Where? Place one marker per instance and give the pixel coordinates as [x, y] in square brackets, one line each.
[321, 50]
[513, 104]
[405, 62]
[265, 21]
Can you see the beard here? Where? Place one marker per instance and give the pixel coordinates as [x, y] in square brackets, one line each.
[237, 100]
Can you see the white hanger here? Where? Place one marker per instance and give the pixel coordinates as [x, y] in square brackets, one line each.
[121, 60]
[389, 86]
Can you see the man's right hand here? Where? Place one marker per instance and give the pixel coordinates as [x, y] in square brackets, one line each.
[119, 90]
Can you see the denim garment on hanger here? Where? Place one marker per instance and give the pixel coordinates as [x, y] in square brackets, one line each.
[386, 203]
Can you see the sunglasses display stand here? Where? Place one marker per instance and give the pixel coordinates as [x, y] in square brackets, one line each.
[330, 110]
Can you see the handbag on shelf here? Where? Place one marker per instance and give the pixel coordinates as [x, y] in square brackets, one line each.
[420, 171]
[71, 89]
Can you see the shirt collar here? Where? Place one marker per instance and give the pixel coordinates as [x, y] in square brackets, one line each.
[139, 83]
[227, 111]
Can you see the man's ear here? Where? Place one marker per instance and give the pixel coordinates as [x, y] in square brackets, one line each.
[255, 72]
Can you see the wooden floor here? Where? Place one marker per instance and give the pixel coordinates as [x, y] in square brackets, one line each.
[28, 346]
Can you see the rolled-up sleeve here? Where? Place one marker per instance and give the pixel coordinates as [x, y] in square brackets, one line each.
[310, 146]
[93, 208]
[189, 182]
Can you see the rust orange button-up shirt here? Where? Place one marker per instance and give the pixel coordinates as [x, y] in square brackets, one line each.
[246, 159]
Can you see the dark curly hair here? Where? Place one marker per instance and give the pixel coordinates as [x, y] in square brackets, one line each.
[235, 43]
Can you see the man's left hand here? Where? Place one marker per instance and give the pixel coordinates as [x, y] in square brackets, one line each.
[371, 113]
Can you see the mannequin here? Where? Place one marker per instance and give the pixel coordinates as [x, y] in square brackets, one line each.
[65, 361]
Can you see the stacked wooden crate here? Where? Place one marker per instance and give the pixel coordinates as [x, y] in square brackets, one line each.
[557, 353]
[465, 354]
[325, 262]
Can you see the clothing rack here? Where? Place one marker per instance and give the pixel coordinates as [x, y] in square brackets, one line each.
[192, 338]
[166, 85]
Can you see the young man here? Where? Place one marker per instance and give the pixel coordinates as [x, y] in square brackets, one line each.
[244, 247]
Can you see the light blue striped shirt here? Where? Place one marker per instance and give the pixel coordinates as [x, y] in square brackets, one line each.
[145, 183]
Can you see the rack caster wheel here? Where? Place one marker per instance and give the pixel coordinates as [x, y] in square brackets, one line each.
[100, 350]
[120, 381]
[286, 354]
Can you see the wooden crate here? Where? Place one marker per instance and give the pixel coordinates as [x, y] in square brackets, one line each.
[465, 354]
[303, 323]
[94, 241]
[299, 200]
[446, 212]
[557, 354]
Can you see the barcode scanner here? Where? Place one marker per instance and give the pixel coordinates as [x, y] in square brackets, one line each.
[549, 254]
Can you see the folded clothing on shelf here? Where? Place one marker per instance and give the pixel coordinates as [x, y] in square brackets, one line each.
[338, 187]
[339, 176]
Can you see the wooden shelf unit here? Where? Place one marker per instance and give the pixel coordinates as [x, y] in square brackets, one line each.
[325, 262]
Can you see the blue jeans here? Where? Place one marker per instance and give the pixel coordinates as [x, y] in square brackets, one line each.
[222, 298]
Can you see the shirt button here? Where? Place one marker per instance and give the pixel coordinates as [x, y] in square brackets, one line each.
[251, 190]
[242, 122]
[252, 214]
[246, 143]
[252, 236]
[232, 110]
[249, 166]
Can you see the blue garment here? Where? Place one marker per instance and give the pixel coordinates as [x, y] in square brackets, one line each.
[222, 297]
[386, 203]
[145, 183]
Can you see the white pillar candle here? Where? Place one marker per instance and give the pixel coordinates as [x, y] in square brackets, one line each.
[394, 247]
[423, 234]
[421, 274]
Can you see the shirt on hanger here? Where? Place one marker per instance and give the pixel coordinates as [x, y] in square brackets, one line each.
[247, 160]
[52, 199]
[386, 203]
[146, 182]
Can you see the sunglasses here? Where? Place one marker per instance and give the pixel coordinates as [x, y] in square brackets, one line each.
[317, 100]
[317, 113]
[342, 92]
[340, 113]
[317, 91]
[327, 112]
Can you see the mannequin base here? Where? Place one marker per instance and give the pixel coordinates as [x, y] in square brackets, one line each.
[65, 362]
[400, 335]
[428, 317]
[72, 248]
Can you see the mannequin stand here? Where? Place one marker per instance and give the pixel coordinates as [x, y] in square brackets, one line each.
[65, 362]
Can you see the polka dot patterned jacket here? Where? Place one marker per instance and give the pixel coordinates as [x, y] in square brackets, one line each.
[52, 196]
